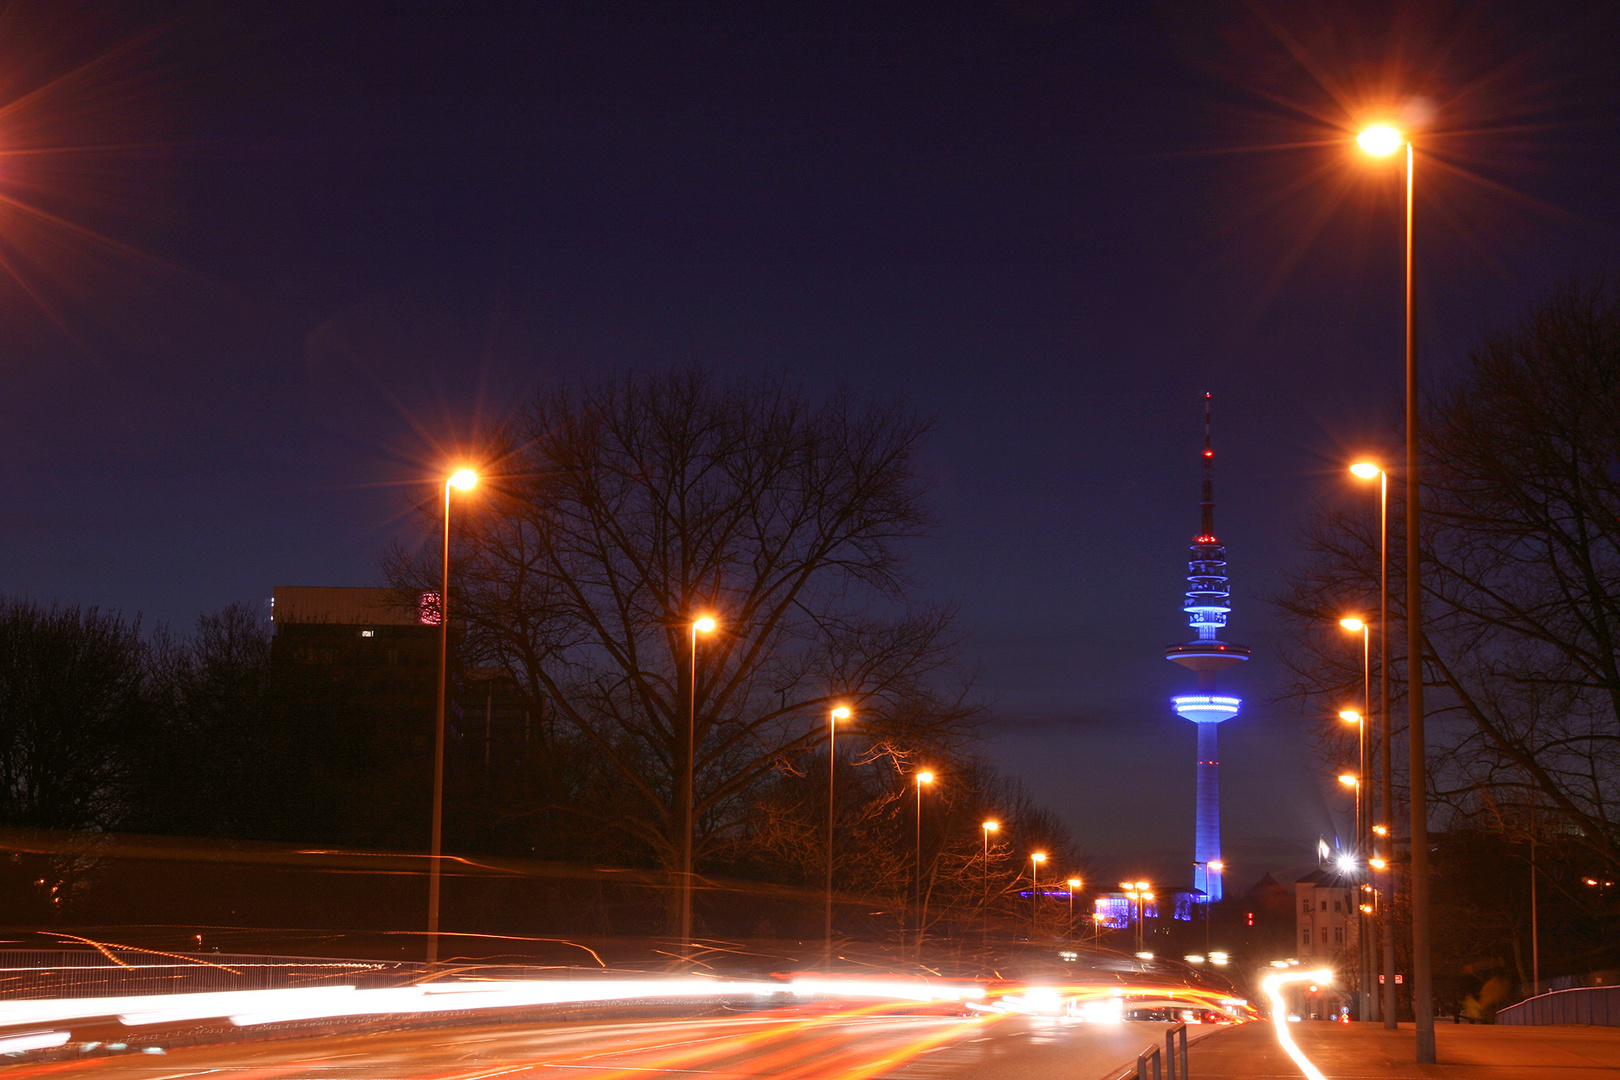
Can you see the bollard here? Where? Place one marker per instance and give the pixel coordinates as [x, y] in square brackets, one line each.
[1151, 1054]
[1171, 1067]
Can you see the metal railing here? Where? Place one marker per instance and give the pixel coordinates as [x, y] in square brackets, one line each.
[1599, 1005]
[1169, 1064]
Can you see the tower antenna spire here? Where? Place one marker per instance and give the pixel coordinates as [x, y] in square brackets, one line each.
[1208, 504]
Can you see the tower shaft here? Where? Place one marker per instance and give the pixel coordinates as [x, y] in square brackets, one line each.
[1207, 830]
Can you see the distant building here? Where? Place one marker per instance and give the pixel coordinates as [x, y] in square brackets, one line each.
[1324, 911]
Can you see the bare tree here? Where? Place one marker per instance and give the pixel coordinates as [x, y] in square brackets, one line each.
[1521, 575]
[627, 509]
[73, 707]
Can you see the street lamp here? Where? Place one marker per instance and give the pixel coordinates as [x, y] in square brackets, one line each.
[1074, 883]
[1366, 1004]
[984, 904]
[1218, 867]
[1383, 140]
[703, 624]
[1367, 470]
[841, 712]
[923, 778]
[461, 480]
[1035, 860]
[1137, 891]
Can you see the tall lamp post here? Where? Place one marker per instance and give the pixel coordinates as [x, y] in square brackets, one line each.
[923, 779]
[1366, 470]
[702, 625]
[1035, 860]
[461, 480]
[839, 713]
[1383, 140]
[1074, 884]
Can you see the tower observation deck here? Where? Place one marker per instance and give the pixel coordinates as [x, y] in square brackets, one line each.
[1208, 603]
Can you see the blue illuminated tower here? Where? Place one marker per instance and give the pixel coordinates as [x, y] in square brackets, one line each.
[1209, 600]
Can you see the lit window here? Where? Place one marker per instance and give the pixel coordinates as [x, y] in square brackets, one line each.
[368, 633]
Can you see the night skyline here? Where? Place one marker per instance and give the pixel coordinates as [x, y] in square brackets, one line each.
[346, 242]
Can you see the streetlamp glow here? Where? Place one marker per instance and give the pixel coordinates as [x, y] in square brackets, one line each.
[703, 624]
[1366, 470]
[991, 826]
[1350, 716]
[1352, 624]
[1381, 140]
[925, 778]
[1348, 779]
[1039, 856]
[461, 480]
[839, 712]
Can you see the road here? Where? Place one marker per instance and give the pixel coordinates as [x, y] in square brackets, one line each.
[794, 1044]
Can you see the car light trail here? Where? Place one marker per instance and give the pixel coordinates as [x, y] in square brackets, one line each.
[249, 1008]
[1272, 985]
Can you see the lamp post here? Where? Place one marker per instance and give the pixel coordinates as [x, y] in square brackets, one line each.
[1366, 470]
[1137, 891]
[984, 904]
[1363, 846]
[1383, 140]
[1074, 884]
[923, 778]
[1035, 860]
[1367, 1005]
[702, 625]
[1220, 868]
[841, 712]
[461, 480]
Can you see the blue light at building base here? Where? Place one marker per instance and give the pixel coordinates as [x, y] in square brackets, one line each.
[1208, 602]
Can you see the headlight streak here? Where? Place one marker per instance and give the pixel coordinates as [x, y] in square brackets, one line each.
[249, 1008]
[1272, 986]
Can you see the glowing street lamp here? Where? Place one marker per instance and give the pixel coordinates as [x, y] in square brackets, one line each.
[1366, 1003]
[1035, 860]
[460, 480]
[1074, 885]
[703, 624]
[1349, 780]
[923, 779]
[1368, 470]
[840, 712]
[984, 904]
[1383, 140]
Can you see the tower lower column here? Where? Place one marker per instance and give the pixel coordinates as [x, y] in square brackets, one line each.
[1207, 835]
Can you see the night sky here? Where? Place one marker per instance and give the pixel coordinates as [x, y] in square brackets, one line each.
[264, 268]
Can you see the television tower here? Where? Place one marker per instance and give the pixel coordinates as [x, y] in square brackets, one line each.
[1209, 601]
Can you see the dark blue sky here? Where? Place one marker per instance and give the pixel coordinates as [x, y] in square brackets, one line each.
[264, 266]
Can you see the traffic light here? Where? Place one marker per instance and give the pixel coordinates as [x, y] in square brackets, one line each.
[1250, 916]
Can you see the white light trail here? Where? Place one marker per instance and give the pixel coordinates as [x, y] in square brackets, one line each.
[248, 1008]
[1272, 986]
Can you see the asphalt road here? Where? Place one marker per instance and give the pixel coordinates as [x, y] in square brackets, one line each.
[794, 1044]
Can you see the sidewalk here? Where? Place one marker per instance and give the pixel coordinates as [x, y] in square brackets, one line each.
[1356, 1051]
